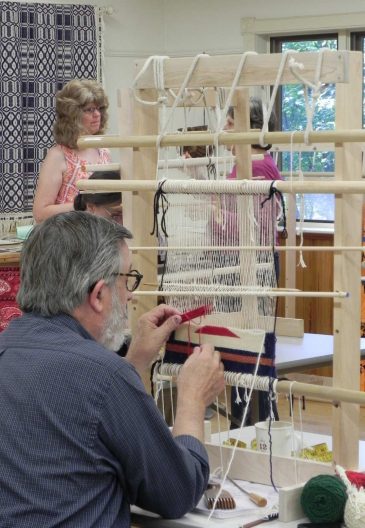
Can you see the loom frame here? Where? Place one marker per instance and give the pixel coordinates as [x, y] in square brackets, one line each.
[139, 121]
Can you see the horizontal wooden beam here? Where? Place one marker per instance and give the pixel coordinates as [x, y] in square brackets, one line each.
[264, 292]
[258, 70]
[224, 186]
[223, 138]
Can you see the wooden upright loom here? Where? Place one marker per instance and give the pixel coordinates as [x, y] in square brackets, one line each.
[137, 141]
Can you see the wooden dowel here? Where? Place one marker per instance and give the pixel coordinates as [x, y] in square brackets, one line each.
[259, 69]
[331, 249]
[224, 138]
[102, 167]
[313, 147]
[297, 388]
[333, 394]
[171, 163]
[243, 293]
[307, 175]
[223, 186]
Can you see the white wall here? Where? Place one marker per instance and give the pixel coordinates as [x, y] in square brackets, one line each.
[139, 28]
[193, 26]
[132, 31]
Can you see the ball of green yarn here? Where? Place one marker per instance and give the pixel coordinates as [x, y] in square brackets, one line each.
[323, 499]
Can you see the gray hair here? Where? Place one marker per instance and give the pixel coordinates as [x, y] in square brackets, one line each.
[64, 257]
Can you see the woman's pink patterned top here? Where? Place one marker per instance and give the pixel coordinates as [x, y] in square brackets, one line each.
[75, 170]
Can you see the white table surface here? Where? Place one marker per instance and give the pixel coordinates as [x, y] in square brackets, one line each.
[308, 351]
[291, 353]
[196, 520]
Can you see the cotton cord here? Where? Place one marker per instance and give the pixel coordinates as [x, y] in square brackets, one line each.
[267, 111]
[323, 499]
[157, 62]
[233, 87]
[182, 90]
[159, 201]
[301, 400]
[247, 187]
[226, 473]
[172, 403]
[301, 262]
[315, 88]
[222, 115]
[291, 398]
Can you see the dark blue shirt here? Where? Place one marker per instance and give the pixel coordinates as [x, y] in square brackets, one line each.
[80, 439]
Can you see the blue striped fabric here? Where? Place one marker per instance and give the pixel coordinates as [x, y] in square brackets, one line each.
[80, 439]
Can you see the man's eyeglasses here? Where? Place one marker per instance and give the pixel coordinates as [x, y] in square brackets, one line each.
[133, 279]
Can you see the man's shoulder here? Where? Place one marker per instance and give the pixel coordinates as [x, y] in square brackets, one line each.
[61, 336]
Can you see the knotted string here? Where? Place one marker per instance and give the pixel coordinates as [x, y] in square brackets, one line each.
[273, 191]
[160, 200]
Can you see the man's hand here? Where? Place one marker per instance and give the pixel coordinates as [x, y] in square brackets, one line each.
[153, 330]
[200, 381]
[202, 376]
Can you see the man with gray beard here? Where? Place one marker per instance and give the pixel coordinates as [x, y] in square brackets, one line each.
[80, 439]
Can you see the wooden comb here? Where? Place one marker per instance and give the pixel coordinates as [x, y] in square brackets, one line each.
[225, 500]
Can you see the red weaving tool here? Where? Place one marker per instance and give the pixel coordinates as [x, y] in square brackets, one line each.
[198, 312]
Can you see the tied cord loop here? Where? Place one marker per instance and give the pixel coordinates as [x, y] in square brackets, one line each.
[160, 200]
[274, 191]
[155, 366]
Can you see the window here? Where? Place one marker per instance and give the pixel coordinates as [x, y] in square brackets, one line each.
[291, 113]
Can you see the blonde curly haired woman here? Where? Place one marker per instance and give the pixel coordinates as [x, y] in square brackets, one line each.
[81, 109]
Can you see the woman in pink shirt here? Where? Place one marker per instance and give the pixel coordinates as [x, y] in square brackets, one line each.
[81, 110]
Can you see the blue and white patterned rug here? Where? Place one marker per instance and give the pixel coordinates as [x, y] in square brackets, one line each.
[42, 46]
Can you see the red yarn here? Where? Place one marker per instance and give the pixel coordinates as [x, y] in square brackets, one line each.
[356, 478]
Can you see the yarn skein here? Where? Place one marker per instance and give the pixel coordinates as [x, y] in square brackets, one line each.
[354, 515]
[323, 499]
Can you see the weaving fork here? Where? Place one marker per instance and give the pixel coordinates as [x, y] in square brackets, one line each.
[225, 500]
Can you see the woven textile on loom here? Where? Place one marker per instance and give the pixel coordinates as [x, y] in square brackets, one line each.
[213, 268]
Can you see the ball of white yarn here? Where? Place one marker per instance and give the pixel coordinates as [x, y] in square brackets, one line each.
[354, 515]
[355, 508]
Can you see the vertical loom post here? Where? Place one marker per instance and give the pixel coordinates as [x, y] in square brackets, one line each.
[139, 204]
[242, 124]
[347, 270]
[244, 171]
[125, 115]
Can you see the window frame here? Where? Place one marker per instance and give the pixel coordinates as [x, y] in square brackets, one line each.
[276, 45]
[257, 35]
